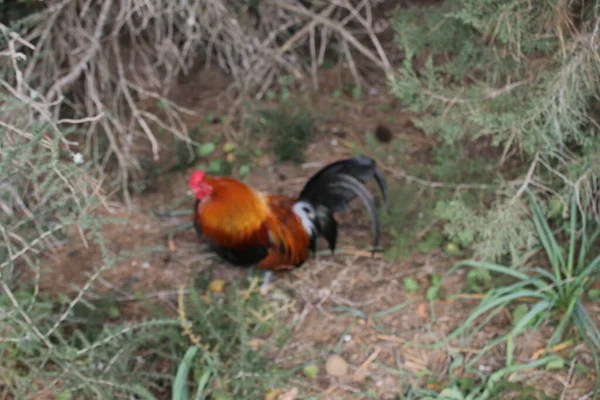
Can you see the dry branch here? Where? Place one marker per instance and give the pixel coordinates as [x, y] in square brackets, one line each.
[103, 58]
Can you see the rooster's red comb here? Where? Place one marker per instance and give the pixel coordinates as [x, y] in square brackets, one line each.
[196, 177]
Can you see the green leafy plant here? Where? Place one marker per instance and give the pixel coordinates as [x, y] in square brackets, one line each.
[220, 157]
[410, 285]
[284, 94]
[289, 129]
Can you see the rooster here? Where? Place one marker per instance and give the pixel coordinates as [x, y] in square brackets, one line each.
[248, 228]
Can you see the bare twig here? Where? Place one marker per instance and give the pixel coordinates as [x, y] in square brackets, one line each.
[490, 93]
[383, 64]
[399, 173]
[528, 177]
[78, 69]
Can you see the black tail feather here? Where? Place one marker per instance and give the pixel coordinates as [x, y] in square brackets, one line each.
[327, 225]
[336, 185]
[382, 186]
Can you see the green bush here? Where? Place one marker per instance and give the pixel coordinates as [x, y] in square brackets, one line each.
[289, 129]
[523, 76]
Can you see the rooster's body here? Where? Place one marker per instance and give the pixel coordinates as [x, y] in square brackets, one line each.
[246, 227]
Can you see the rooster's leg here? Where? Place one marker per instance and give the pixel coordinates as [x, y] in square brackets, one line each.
[266, 280]
[178, 228]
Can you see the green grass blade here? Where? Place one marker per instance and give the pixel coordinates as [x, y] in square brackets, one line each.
[586, 326]
[572, 237]
[542, 287]
[509, 350]
[392, 309]
[180, 390]
[490, 303]
[547, 274]
[586, 244]
[547, 237]
[502, 269]
[522, 324]
[583, 250]
[539, 307]
[565, 319]
[142, 392]
[555, 288]
[498, 375]
[202, 384]
[590, 269]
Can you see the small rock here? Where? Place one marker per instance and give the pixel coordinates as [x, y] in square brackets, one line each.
[146, 265]
[291, 394]
[336, 366]
[485, 368]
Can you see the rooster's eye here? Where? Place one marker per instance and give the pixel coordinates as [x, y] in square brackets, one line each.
[307, 211]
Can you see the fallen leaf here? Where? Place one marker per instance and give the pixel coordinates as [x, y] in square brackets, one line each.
[310, 371]
[255, 343]
[422, 310]
[216, 285]
[172, 246]
[272, 394]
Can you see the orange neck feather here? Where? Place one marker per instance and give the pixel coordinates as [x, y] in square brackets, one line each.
[232, 208]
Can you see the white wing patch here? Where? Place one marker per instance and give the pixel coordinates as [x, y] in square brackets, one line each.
[306, 213]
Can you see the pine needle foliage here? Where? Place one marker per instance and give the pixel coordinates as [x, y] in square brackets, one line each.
[524, 75]
[233, 337]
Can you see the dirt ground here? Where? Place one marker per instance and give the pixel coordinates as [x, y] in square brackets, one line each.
[338, 297]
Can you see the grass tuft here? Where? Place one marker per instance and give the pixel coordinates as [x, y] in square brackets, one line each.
[543, 296]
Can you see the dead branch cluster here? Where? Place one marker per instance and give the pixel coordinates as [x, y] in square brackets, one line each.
[101, 60]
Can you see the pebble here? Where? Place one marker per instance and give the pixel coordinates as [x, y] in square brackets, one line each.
[336, 366]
